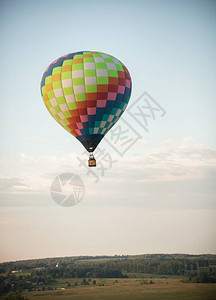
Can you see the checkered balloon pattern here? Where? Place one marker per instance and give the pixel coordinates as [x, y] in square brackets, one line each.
[86, 92]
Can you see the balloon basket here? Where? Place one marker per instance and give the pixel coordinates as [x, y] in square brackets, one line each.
[91, 161]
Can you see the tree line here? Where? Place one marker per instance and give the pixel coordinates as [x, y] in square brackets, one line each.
[36, 274]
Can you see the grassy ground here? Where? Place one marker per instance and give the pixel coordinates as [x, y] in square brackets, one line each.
[129, 289]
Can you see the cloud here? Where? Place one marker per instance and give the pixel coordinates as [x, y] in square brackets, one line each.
[11, 183]
[180, 173]
[171, 161]
[34, 176]
[169, 175]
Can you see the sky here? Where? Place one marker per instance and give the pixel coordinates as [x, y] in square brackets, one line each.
[156, 192]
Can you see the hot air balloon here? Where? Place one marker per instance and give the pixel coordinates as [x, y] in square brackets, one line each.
[86, 92]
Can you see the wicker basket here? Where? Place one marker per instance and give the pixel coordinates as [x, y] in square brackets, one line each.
[92, 163]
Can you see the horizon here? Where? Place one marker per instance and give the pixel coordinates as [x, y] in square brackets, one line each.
[104, 255]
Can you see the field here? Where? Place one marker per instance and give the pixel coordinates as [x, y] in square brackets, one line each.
[128, 289]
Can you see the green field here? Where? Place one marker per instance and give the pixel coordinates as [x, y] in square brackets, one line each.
[131, 288]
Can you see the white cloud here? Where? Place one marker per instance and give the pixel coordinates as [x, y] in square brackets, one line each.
[170, 161]
[168, 172]
[10, 183]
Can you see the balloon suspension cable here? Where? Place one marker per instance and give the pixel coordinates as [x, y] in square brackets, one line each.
[92, 160]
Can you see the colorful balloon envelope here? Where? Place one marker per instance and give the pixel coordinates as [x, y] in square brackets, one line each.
[86, 92]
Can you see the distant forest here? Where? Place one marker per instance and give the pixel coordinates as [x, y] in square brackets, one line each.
[113, 266]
